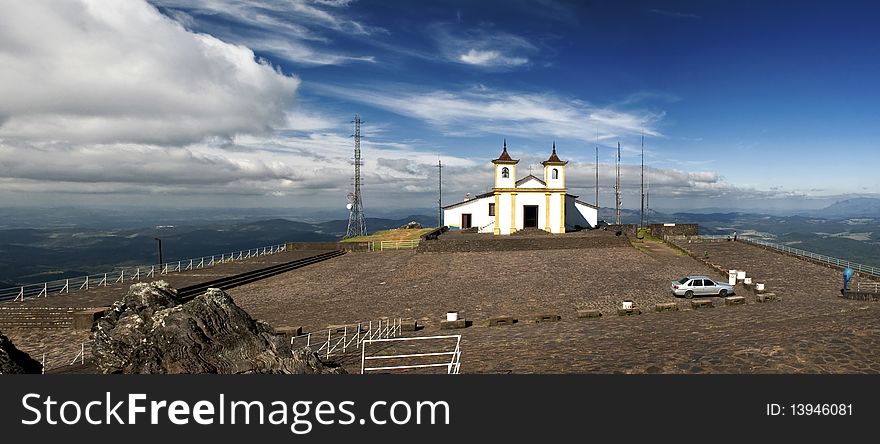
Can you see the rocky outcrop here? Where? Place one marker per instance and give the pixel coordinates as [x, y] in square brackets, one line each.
[152, 331]
[15, 361]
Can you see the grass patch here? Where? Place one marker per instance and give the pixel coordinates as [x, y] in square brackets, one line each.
[395, 234]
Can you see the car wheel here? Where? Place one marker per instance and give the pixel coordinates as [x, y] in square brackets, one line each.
[722, 293]
[689, 294]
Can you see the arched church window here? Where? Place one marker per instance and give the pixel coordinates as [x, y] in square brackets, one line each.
[505, 173]
[555, 173]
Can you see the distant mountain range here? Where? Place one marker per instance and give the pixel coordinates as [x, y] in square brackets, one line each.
[37, 255]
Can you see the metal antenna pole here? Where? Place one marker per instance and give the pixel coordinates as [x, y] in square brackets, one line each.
[440, 193]
[357, 225]
[642, 213]
[597, 169]
[617, 188]
[647, 199]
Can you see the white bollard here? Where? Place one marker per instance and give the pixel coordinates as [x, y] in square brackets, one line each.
[759, 286]
[747, 281]
[731, 277]
[740, 275]
[451, 315]
[627, 305]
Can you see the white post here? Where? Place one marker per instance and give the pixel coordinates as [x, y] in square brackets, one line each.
[20, 295]
[66, 288]
[344, 338]
[328, 343]
[363, 351]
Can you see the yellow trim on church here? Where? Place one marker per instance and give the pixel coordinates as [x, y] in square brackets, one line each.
[512, 213]
[547, 213]
[497, 230]
[562, 212]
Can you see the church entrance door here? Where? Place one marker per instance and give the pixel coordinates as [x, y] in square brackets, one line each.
[530, 216]
[465, 221]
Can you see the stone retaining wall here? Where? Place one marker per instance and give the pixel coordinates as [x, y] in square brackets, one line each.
[488, 242]
[320, 246]
[660, 230]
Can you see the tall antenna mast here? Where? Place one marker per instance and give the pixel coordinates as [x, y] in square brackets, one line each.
[642, 213]
[617, 188]
[647, 198]
[597, 168]
[357, 226]
[440, 193]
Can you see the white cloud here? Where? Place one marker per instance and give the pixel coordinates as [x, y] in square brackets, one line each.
[105, 72]
[485, 47]
[299, 31]
[483, 111]
[490, 58]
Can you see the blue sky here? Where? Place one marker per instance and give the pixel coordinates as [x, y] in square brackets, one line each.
[747, 105]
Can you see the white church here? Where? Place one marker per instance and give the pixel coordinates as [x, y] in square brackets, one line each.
[530, 202]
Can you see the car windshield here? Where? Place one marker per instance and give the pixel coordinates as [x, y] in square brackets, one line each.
[682, 280]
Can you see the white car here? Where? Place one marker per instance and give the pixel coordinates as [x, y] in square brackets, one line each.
[690, 286]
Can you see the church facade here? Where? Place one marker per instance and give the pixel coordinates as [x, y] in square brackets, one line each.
[530, 202]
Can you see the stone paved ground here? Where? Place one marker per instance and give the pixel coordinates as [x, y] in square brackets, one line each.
[479, 285]
[810, 331]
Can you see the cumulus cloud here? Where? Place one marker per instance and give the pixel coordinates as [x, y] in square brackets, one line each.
[107, 72]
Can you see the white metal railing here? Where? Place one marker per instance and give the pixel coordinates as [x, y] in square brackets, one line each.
[821, 258]
[394, 245]
[860, 268]
[451, 360]
[490, 227]
[128, 274]
[342, 338]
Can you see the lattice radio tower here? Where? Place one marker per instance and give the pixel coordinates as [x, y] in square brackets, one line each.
[357, 226]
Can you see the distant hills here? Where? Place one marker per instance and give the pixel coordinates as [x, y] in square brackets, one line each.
[37, 255]
[848, 229]
[856, 207]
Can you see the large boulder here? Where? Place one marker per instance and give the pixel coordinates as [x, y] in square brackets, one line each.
[151, 330]
[15, 361]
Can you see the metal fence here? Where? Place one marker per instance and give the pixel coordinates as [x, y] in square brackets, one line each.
[124, 275]
[394, 245]
[451, 360]
[816, 257]
[345, 338]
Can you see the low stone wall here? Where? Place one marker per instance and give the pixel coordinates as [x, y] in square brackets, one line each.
[861, 296]
[660, 230]
[627, 229]
[347, 246]
[488, 242]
